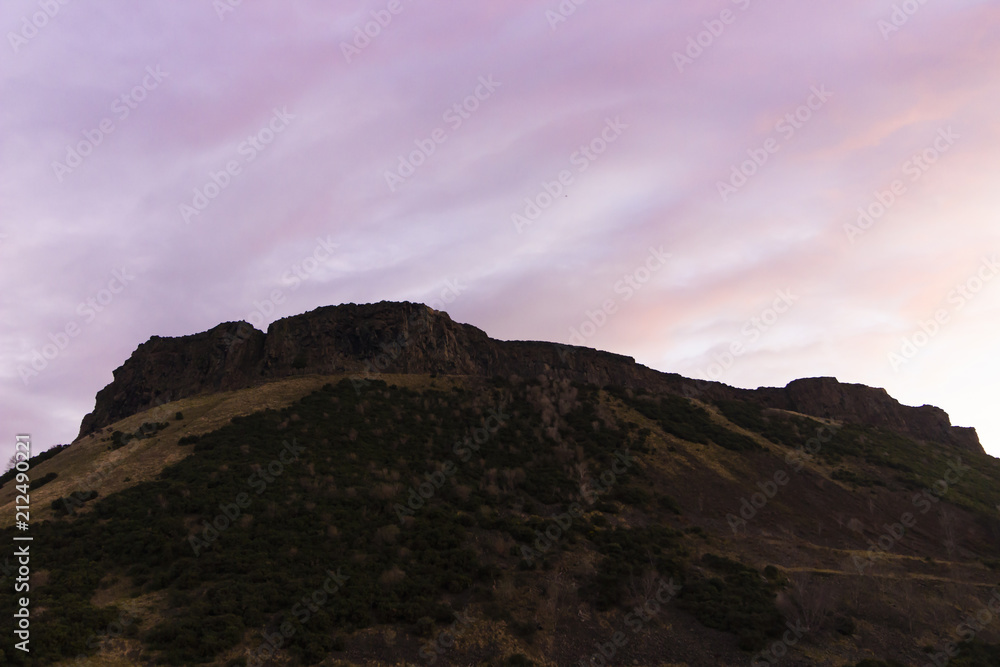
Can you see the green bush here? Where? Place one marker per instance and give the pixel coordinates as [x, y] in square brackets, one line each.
[230, 588]
[146, 430]
[42, 481]
[741, 602]
[682, 418]
[32, 462]
[976, 654]
[72, 502]
[628, 553]
[782, 429]
[668, 503]
[844, 625]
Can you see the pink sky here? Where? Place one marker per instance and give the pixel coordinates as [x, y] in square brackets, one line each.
[163, 95]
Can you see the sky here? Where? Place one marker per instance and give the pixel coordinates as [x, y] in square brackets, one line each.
[744, 191]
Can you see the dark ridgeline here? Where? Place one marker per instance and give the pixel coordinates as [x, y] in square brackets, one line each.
[412, 338]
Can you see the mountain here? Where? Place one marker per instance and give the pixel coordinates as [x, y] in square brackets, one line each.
[412, 338]
[379, 485]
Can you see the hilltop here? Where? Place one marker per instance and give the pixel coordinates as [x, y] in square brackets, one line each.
[379, 485]
[406, 338]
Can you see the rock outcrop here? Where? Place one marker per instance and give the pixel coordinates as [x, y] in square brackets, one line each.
[362, 340]
[860, 404]
[166, 369]
[386, 337]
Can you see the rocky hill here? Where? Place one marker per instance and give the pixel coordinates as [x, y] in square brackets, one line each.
[368, 340]
[374, 485]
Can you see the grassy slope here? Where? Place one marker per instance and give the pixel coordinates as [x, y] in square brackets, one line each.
[91, 464]
[810, 530]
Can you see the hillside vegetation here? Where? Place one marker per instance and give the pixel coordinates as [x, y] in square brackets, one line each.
[448, 520]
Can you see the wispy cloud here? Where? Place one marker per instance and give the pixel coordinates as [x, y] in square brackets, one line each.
[656, 185]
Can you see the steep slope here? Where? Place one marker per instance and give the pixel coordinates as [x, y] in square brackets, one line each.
[372, 485]
[485, 521]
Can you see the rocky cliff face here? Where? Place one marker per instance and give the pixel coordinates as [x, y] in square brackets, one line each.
[826, 397]
[365, 340]
[362, 340]
[166, 369]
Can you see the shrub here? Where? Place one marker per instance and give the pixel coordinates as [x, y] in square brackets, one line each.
[146, 430]
[844, 625]
[32, 462]
[145, 530]
[526, 630]
[741, 602]
[72, 502]
[682, 418]
[42, 481]
[976, 653]
[850, 477]
[633, 495]
[668, 503]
